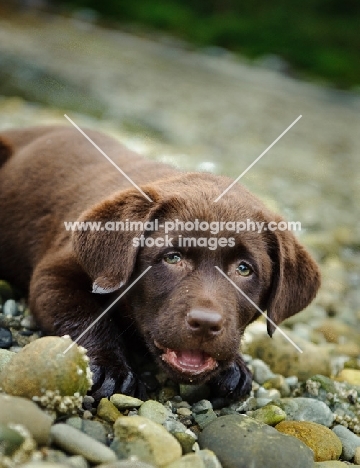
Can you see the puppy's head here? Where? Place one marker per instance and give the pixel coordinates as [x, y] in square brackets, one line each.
[194, 303]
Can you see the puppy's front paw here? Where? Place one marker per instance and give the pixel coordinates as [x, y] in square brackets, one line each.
[233, 382]
[107, 381]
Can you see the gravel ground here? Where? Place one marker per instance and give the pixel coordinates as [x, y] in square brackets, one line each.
[204, 110]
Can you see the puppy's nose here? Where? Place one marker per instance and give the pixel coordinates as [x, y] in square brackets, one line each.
[205, 321]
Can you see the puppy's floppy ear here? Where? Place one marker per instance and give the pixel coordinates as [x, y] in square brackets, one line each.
[296, 278]
[108, 256]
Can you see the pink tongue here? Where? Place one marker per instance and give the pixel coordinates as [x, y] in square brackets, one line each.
[191, 357]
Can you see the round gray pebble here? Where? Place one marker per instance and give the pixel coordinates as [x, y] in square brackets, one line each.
[349, 441]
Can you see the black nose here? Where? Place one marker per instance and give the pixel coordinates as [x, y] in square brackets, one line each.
[205, 321]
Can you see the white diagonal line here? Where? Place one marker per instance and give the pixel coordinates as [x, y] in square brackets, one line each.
[107, 157]
[107, 309]
[257, 159]
[259, 310]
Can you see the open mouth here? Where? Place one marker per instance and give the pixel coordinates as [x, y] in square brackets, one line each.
[191, 362]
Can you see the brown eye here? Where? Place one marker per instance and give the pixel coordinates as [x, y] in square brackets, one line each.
[172, 258]
[244, 269]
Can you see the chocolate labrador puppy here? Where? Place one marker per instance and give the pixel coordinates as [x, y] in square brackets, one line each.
[185, 311]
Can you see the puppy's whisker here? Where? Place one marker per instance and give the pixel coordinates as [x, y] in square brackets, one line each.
[258, 309]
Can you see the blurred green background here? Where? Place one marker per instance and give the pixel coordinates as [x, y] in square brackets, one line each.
[315, 38]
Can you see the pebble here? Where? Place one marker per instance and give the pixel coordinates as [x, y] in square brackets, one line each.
[5, 357]
[269, 414]
[10, 308]
[154, 410]
[322, 441]
[306, 409]
[16, 410]
[191, 460]
[126, 464]
[10, 441]
[357, 456]
[194, 393]
[6, 338]
[184, 411]
[204, 418]
[93, 429]
[278, 383]
[43, 464]
[209, 458]
[351, 376]
[241, 442]
[173, 426]
[201, 406]
[107, 411]
[123, 402]
[145, 439]
[331, 464]
[261, 371]
[29, 322]
[75, 442]
[186, 439]
[349, 441]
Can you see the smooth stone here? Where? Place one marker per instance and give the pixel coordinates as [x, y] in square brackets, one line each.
[76, 442]
[77, 461]
[145, 439]
[29, 322]
[6, 339]
[93, 429]
[330, 464]
[306, 409]
[351, 376]
[42, 464]
[5, 357]
[173, 426]
[283, 358]
[357, 456]
[209, 458]
[201, 406]
[16, 410]
[322, 441]
[278, 383]
[10, 308]
[123, 402]
[186, 439]
[203, 419]
[191, 460]
[107, 411]
[154, 410]
[261, 371]
[10, 440]
[241, 442]
[269, 414]
[349, 441]
[184, 411]
[126, 464]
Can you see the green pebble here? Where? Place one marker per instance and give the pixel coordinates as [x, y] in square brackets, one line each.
[10, 440]
[6, 291]
[269, 414]
[107, 411]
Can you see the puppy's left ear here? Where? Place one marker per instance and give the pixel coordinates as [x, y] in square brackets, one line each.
[296, 279]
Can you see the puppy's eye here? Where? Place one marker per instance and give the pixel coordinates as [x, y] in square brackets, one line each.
[244, 269]
[172, 258]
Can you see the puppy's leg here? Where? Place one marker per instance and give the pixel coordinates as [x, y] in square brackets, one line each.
[62, 303]
[233, 382]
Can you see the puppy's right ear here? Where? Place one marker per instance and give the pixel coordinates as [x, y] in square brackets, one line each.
[108, 255]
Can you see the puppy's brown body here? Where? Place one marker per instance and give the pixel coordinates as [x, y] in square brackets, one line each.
[184, 311]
